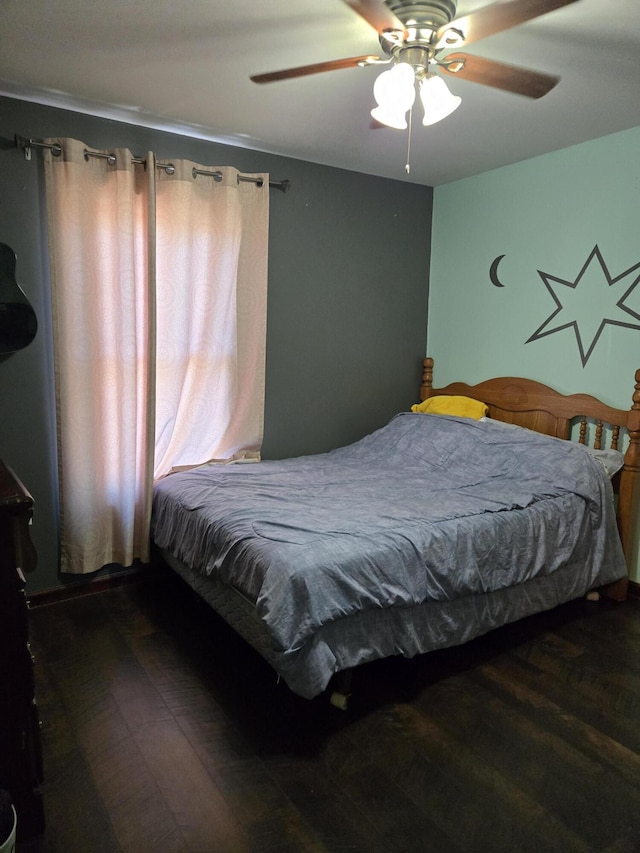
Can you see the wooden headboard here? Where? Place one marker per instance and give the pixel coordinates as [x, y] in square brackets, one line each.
[531, 404]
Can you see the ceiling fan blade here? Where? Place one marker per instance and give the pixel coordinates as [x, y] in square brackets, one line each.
[316, 68]
[510, 78]
[377, 14]
[496, 18]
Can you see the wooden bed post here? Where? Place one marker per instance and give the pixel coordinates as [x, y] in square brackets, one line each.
[629, 494]
[427, 379]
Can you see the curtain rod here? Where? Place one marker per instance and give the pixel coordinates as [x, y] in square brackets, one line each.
[27, 144]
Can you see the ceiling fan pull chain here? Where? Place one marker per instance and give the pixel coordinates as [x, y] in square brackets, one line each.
[407, 167]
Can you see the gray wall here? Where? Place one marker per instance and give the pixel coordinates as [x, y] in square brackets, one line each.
[347, 308]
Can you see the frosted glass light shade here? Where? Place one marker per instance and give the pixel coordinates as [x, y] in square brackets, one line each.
[437, 100]
[395, 92]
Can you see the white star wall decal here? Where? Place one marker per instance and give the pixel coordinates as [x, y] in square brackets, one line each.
[593, 295]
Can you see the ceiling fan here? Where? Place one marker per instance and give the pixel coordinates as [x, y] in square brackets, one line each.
[413, 34]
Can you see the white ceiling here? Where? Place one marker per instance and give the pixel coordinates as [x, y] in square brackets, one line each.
[185, 67]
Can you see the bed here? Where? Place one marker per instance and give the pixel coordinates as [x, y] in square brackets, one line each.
[430, 531]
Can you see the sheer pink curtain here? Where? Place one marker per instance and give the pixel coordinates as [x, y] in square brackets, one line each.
[115, 300]
[212, 307]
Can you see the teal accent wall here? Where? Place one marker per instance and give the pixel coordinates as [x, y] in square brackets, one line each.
[545, 214]
[346, 313]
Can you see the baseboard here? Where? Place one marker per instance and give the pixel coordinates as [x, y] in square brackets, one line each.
[634, 589]
[81, 588]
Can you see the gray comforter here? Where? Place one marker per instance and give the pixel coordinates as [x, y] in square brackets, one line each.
[428, 508]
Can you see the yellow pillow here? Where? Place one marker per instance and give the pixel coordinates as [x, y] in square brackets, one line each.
[462, 407]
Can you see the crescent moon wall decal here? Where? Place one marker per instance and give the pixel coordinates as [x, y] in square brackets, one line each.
[493, 272]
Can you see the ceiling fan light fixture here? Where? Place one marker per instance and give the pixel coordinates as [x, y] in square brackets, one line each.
[395, 92]
[437, 100]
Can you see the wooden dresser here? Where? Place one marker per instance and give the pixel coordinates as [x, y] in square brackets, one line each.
[20, 746]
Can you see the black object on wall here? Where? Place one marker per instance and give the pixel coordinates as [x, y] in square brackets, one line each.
[18, 324]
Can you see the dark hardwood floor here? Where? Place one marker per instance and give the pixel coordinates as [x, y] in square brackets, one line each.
[164, 732]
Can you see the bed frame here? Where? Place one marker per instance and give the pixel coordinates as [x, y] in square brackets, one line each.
[531, 404]
[524, 402]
